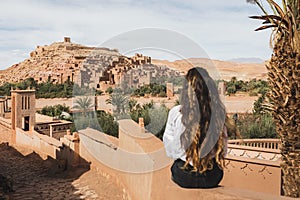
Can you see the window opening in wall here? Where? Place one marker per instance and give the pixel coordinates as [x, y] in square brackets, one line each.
[22, 103]
[25, 102]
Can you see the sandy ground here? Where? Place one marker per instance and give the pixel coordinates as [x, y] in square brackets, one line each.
[239, 104]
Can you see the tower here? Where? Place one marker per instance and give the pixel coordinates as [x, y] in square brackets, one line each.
[170, 90]
[67, 39]
[23, 109]
[222, 88]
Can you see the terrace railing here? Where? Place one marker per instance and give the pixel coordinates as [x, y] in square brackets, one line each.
[258, 143]
[254, 164]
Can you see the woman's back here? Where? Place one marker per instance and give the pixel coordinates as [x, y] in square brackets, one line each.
[195, 133]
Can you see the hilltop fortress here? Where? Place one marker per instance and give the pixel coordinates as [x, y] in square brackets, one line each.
[57, 63]
[94, 67]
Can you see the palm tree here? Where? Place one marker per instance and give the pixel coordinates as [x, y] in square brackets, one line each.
[118, 100]
[83, 104]
[284, 81]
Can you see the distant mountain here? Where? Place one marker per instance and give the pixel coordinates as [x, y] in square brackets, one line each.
[225, 69]
[247, 60]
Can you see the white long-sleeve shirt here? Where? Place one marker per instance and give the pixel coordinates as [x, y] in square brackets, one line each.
[174, 129]
[171, 138]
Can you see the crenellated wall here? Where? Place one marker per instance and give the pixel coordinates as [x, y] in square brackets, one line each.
[38, 143]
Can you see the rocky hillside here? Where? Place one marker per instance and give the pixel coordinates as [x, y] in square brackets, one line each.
[57, 62]
[61, 61]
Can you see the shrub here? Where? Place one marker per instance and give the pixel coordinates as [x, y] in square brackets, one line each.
[158, 118]
[162, 94]
[257, 126]
[107, 123]
[99, 92]
[54, 111]
[263, 90]
[5, 89]
[153, 89]
[43, 90]
[253, 93]
[109, 90]
[253, 86]
[231, 90]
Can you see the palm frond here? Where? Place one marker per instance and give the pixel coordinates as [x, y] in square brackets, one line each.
[84, 103]
[261, 7]
[265, 27]
[278, 9]
[76, 107]
[272, 19]
[284, 5]
[267, 22]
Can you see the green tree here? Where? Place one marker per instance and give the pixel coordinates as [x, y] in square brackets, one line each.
[119, 101]
[257, 126]
[109, 90]
[55, 111]
[138, 111]
[5, 89]
[231, 89]
[99, 92]
[158, 118]
[84, 104]
[132, 104]
[107, 123]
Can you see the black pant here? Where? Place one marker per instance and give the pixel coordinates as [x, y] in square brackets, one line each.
[186, 178]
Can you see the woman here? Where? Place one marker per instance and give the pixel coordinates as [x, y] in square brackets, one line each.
[195, 135]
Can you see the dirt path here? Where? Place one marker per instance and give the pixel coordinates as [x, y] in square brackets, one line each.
[35, 178]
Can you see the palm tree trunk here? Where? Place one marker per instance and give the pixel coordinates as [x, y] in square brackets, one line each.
[284, 79]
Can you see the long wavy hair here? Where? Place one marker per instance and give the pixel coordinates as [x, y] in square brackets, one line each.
[201, 104]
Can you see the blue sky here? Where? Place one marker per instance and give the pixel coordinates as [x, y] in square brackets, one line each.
[222, 28]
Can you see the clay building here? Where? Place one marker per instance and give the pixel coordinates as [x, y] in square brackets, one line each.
[4, 106]
[23, 109]
[22, 115]
[103, 71]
